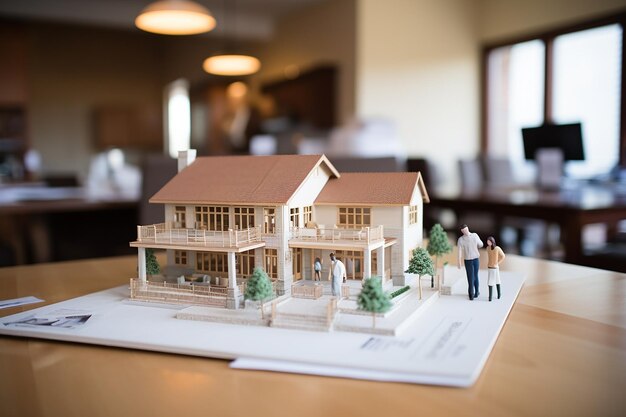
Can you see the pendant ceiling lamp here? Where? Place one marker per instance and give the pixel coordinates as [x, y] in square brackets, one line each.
[231, 64]
[175, 17]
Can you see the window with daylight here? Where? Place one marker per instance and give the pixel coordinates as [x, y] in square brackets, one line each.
[180, 257]
[244, 217]
[412, 214]
[354, 217]
[566, 76]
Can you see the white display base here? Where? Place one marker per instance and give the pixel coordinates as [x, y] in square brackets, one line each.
[448, 344]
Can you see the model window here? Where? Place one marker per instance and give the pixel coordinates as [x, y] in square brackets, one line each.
[180, 257]
[245, 263]
[271, 263]
[212, 262]
[212, 218]
[307, 215]
[354, 217]
[180, 217]
[269, 220]
[412, 214]
[295, 217]
[244, 217]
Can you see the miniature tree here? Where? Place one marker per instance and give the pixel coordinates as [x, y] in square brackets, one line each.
[421, 264]
[259, 287]
[152, 265]
[373, 299]
[438, 245]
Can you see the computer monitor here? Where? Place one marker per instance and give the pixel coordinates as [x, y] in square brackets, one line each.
[567, 137]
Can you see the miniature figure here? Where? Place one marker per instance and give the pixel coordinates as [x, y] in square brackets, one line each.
[468, 245]
[495, 256]
[339, 274]
[317, 266]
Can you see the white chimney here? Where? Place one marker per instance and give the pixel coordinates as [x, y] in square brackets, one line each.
[185, 158]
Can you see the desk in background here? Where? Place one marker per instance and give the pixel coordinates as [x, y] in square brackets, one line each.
[52, 224]
[571, 209]
[562, 352]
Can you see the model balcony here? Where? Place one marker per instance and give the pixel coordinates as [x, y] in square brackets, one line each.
[321, 237]
[168, 236]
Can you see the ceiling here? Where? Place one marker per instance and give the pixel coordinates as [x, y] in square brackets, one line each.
[244, 19]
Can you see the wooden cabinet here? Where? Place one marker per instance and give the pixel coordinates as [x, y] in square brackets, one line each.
[128, 126]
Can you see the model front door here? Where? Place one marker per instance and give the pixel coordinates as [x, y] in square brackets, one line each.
[297, 264]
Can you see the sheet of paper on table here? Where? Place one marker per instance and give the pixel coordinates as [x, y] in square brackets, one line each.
[448, 344]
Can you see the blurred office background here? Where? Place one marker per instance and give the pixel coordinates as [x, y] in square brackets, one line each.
[89, 103]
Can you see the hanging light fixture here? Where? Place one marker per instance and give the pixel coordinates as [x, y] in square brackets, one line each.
[231, 64]
[175, 17]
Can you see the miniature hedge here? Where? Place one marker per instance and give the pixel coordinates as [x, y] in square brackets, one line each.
[399, 291]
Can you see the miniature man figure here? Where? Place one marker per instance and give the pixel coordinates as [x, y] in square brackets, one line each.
[468, 245]
[495, 256]
[339, 273]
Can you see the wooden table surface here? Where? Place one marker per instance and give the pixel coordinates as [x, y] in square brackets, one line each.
[562, 352]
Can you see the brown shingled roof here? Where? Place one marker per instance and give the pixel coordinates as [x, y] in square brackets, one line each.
[381, 188]
[240, 179]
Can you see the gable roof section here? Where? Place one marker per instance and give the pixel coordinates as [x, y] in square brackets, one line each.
[240, 179]
[376, 188]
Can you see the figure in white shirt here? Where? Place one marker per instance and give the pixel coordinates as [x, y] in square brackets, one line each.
[468, 245]
[338, 274]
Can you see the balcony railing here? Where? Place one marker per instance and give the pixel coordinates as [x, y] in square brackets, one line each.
[320, 234]
[166, 233]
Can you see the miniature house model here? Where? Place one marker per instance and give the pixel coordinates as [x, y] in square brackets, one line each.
[225, 215]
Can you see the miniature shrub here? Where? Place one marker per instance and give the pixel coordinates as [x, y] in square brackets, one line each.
[399, 291]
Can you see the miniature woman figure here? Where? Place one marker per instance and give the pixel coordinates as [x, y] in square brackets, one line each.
[468, 245]
[317, 266]
[495, 256]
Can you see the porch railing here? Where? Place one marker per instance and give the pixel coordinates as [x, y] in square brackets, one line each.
[166, 233]
[321, 234]
[177, 293]
[307, 291]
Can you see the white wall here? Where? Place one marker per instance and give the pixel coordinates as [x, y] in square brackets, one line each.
[417, 65]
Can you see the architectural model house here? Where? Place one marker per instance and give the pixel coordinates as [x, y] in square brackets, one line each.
[225, 215]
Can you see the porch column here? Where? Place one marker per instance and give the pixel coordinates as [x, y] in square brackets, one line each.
[232, 300]
[367, 260]
[380, 255]
[141, 264]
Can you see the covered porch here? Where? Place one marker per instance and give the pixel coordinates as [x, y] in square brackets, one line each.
[362, 259]
[230, 287]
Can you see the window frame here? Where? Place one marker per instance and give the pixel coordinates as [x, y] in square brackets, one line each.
[548, 38]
